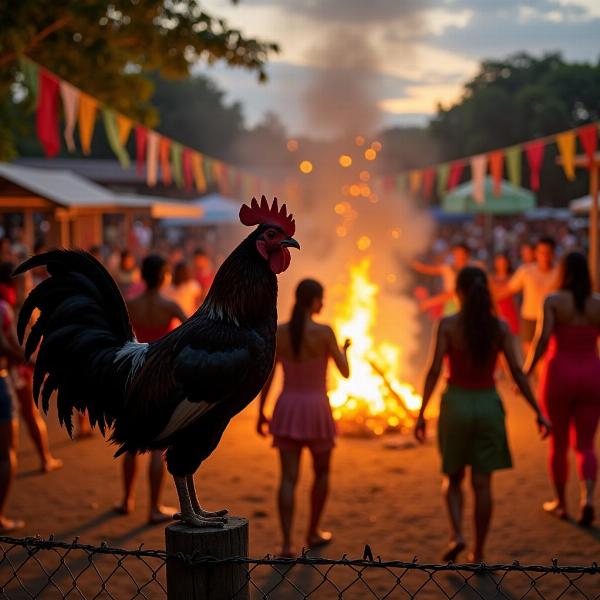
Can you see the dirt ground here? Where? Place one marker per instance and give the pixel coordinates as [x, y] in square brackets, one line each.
[386, 497]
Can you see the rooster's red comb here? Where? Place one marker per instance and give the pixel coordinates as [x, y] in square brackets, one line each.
[256, 214]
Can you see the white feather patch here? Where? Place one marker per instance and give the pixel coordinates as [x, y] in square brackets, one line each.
[135, 352]
[185, 413]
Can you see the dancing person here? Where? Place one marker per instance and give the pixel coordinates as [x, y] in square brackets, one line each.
[570, 381]
[500, 277]
[527, 253]
[127, 275]
[461, 257]
[471, 428]
[10, 353]
[152, 316]
[535, 280]
[302, 415]
[204, 272]
[184, 289]
[21, 376]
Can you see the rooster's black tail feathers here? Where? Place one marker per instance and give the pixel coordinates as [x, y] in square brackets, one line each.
[83, 322]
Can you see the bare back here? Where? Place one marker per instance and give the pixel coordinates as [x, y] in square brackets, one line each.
[562, 305]
[153, 310]
[318, 341]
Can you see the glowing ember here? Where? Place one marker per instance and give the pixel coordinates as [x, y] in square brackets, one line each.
[364, 176]
[370, 154]
[345, 160]
[372, 400]
[363, 243]
[306, 167]
[376, 146]
[292, 145]
[359, 140]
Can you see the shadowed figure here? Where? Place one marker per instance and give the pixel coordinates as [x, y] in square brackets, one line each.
[302, 416]
[471, 429]
[570, 382]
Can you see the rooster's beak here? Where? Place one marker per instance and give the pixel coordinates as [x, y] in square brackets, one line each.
[291, 242]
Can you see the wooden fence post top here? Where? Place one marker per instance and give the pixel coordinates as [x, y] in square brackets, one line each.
[209, 582]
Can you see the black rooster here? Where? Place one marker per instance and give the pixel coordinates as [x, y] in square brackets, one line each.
[179, 392]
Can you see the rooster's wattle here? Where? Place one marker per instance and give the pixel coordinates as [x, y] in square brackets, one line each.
[180, 392]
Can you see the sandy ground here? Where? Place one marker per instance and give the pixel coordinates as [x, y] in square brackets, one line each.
[388, 498]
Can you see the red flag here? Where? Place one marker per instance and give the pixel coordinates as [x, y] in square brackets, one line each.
[47, 114]
[428, 180]
[535, 155]
[141, 139]
[588, 136]
[496, 160]
[456, 169]
[188, 171]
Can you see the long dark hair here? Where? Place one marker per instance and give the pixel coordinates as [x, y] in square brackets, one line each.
[307, 292]
[481, 328]
[576, 278]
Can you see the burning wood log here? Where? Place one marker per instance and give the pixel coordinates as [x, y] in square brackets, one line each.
[391, 390]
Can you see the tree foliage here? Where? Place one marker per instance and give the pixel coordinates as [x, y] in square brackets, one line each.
[108, 49]
[517, 99]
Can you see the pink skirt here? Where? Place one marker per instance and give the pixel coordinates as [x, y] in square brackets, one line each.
[303, 417]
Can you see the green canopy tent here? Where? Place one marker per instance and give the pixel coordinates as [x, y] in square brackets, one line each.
[512, 200]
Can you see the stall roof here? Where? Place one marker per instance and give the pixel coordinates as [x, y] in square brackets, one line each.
[69, 190]
[216, 210]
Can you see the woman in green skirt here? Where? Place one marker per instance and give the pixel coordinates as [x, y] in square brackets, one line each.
[471, 430]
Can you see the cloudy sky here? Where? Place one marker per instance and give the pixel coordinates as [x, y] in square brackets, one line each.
[408, 55]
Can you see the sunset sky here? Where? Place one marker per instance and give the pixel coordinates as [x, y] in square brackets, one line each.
[411, 54]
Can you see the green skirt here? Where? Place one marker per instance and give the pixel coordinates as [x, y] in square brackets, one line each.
[471, 431]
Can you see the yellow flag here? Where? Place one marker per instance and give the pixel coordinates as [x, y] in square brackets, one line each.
[566, 146]
[87, 119]
[198, 172]
[414, 179]
[124, 125]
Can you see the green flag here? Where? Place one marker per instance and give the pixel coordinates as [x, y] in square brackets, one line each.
[176, 164]
[109, 119]
[31, 75]
[443, 171]
[512, 157]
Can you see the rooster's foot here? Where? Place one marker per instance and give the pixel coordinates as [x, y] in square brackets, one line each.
[206, 514]
[197, 521]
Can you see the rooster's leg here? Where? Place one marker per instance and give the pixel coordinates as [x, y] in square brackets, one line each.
[219, 514]
[187, 514]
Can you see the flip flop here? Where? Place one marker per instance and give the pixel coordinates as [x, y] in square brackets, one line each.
[452, 553]
[11, 525]
[325, 538]
[555, 510]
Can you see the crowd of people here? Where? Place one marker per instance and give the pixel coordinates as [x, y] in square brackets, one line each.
[482, 306]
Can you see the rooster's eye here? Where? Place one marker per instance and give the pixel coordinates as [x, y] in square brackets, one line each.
[270, 234]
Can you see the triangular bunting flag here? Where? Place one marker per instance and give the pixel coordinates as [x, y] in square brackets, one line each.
[443, 172]
[414, 181]
[176, 167]
[87, 120]
[566, 143]
[428, 181]
[152, 158]
[588, 136]
[496, 160]
[478, 169]
[535, 155]
[141, 140]
[124, 125]
[70, 101]
[163, 155]
[198, 172]
[188, 175]
[47, 114]
[513, 164]
[32, 79]
[112, 135]
[456, 171]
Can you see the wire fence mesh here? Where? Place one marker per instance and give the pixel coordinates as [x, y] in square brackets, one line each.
[38, 568]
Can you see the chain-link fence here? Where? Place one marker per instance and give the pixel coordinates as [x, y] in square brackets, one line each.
[38, 568]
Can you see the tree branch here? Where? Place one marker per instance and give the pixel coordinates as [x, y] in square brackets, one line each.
[44, 33]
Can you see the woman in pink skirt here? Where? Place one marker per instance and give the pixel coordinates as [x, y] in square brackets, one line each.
[302, 416]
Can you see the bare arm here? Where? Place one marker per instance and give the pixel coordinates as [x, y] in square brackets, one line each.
[436, 300]
[433, 374]
[508, 349]
[425, 269]
[339, 356]
[542, 337]
[263, 422]
[177, 312]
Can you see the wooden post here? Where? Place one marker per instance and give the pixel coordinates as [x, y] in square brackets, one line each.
[209, 582]
[582, 161]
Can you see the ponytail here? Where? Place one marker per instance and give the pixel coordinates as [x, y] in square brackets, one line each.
[480, 325]
[576, 279]
[307, 291]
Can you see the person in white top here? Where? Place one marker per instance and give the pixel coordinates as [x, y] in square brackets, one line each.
[184, 289]
[535, 280]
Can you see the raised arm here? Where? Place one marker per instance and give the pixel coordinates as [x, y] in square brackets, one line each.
[542, 336]
[177, 312]
[433, 374]
[508, 349]
[339, 356]
[425, 269]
